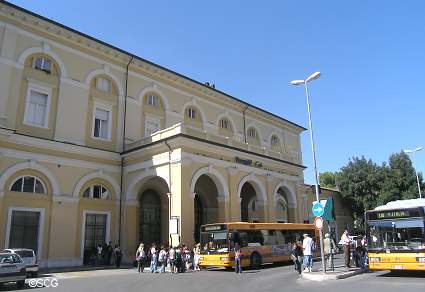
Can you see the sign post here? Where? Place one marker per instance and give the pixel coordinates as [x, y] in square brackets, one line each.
[318, 210]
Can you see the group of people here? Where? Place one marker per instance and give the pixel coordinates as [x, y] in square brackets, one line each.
[105, 254]
[302, 253]
[179, 258]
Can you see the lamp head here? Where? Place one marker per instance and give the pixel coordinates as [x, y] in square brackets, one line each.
[313, 76]
[297, 82]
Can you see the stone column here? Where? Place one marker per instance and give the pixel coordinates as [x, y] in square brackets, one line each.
[234, 197]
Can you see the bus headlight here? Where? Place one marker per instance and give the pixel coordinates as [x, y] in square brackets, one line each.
[201, 259]
[224, 259]
[421, 260]
[374, 260]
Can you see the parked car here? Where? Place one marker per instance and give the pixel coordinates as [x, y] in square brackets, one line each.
[29, 258]
[12, 269]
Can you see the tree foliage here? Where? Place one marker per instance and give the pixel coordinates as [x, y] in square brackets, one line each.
[365, 185]
[327, 179]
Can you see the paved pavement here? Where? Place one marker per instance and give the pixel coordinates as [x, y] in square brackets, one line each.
[269, 278]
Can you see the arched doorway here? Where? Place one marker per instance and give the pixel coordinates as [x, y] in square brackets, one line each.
[153, 212]
[249, 212]
[285, 206]
[281, 210]
[205, 204]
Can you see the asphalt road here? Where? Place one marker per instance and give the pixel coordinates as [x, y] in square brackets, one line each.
[269, 278]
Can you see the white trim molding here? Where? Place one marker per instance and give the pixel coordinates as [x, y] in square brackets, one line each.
[83, 228]
[141, 178]
[93, 175]
[259, 187]
[43, 50]
[291, 199]
[218, 179]
[40, 227]
[155, 89]
[96, 72]
[34, 165]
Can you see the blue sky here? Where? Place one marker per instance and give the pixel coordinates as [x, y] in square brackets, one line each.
[369, 100]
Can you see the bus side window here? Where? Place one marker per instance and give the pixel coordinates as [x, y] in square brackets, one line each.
[243, 238]
[255, 238]
[280, 237]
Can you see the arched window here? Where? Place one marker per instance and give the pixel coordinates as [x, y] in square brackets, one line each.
[224, 124]
[152, 100]
[42, 64]
[252, 133]
[274, 141]
[28, 184]
[96, 191]
[191, 113]
[281, 210]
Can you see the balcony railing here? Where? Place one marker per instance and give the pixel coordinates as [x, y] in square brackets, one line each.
[284, 152]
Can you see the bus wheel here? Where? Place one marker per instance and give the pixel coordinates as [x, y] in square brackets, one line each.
[255, 261]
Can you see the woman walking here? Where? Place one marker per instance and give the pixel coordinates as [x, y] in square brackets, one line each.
[141, 258]
[118, 255]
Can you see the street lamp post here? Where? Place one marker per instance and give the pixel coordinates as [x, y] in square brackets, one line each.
[304, 82]
[408, 151]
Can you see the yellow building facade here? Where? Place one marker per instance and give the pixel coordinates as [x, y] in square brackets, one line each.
[99, 145]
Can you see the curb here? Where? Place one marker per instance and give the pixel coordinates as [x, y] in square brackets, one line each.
[325, 277]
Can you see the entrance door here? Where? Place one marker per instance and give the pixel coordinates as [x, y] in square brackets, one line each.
[24, 229]
[199, 218]
[150, 218]
[95, 233]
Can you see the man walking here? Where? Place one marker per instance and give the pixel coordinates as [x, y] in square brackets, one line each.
[345, 240]
[328, 248]
[308, 253]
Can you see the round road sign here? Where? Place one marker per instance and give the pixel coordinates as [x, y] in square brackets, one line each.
[318, 223]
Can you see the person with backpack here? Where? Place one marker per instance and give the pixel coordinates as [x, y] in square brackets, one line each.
[141, 258]
[163, 255]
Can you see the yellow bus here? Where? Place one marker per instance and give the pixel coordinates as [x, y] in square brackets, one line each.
[260, 242]
[396, 236]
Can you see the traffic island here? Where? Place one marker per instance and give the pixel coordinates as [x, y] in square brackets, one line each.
[337, 274]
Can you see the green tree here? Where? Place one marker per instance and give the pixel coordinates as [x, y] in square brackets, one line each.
[360, 182]
[327, 179]
[400, 179]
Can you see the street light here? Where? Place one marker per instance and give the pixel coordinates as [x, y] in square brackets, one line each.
[407, 151]
[304, 82]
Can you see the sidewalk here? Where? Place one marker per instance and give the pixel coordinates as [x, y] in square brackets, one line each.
[340, 272]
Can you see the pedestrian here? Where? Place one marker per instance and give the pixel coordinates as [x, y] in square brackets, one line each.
[345, 241]
[307, 252]
[99, 254]
[118, 255]
[162, 258]
[328, 248]
[238, 258]
[296, 255]
[179, 259]
[172, 259]
[196, 256]
[109, 252]
[141, 258]
[154, 258]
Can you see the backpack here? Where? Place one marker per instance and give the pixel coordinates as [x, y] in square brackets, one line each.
[313, 246]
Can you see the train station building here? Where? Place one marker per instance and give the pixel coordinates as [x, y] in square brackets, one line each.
[99, 145]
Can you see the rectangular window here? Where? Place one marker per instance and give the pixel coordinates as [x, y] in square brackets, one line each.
[24, 230]
[101, 123]
[102, 84]
[95, 233]
[43, 64]
[153, 100]
[36, 108]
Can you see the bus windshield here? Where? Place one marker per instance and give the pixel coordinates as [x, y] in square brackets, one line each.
[396, 234]
[214, 242]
